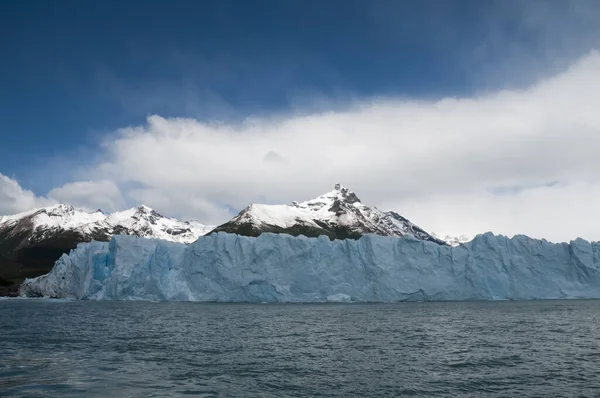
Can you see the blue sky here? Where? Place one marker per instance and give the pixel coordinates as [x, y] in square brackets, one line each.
[75, 72]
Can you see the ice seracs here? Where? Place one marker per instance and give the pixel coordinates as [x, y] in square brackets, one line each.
[282, 268]
[338, 214]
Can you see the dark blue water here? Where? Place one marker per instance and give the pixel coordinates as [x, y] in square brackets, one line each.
[137, 349]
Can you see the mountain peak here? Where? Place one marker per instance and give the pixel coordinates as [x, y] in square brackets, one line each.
[338, 214]
[59, 209]
[339, 195]
[145, 211]
[55, 216]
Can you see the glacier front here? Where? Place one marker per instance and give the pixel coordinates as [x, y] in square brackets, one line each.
[281, 268]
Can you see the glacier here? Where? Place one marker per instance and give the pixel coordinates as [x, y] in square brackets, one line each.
[226, 267]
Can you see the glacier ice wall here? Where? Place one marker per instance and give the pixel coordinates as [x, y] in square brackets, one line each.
[282, 268]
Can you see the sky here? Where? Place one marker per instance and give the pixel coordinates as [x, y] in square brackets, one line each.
[463, 116]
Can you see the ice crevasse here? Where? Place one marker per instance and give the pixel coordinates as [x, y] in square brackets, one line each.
[281, 268]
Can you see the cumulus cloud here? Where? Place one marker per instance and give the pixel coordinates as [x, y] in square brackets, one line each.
[519, 161]
[90, 195]
[15, 199]
[188, 206]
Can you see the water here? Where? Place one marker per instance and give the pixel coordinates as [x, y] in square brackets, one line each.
[142, 349]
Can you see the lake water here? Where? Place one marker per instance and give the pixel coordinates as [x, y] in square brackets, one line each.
[143, 349]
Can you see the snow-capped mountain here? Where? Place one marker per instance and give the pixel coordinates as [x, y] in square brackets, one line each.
[339, 214]
[32, 241]
[454, 240]
[145, 222]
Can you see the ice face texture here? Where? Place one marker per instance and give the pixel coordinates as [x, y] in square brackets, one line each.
[282, 268]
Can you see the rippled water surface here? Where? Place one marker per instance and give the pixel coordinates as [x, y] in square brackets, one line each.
[119, 349]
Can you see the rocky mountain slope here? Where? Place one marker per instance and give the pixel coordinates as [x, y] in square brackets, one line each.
[339, 214]
[32, 241]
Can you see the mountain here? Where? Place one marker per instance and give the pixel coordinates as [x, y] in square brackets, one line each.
[454, 240]
[32, 241]
[339, 214]
[280, 268]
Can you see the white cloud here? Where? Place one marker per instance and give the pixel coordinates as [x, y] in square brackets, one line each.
[413, 156]
[90, 195]
[15, 199]
[192, 206]
[558, 213]
[511, 162]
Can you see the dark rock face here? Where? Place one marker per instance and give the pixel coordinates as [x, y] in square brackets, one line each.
[331, 231]
[8, 288]
[415, 230]
[24, 254]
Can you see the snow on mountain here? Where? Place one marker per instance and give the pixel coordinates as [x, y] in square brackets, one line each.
[338, 214]
[56, 216]
[282, 268]
[454, 240]
[139, 221]
[145, 222]
[199, 228]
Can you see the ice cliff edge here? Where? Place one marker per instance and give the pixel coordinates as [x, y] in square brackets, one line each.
[281, 268]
